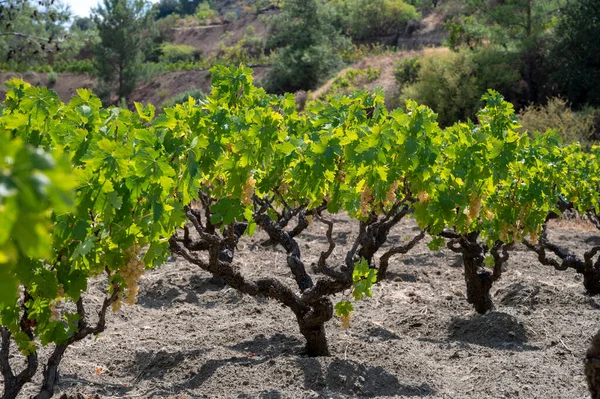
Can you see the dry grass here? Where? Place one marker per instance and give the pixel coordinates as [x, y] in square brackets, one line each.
[578, 223]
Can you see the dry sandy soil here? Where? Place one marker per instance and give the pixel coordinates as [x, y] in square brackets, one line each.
[192, 337]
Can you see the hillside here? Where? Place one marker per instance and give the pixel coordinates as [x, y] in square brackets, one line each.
[384, 65]
[155, 92]
[66, 85]
[208, 38]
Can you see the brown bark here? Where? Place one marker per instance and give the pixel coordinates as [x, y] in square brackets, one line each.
[568, 260]
[479, 280]
[592, 367]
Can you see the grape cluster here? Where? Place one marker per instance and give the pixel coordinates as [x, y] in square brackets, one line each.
[365, 202]
[309, 219]
[54, 316]
[390, 198]
[535, 235]
[474, 208]
[248, 191]
[131, 273]
[345, 321]
[60, 293]
[340, 176]
[284, 188]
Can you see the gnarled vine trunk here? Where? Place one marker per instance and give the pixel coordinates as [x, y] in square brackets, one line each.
[316, 340]
[592, 367]
[479, 280]
[310, 299]
[591, 281]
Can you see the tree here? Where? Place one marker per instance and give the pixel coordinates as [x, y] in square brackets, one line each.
[308, 46]
[165, 8]
[122, 27]
[83, 23]
[30, 32]
[521, 25]
[577, 53]
[370, 19]
[188, 7]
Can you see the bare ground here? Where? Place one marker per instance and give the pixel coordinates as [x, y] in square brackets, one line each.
[192, 337]
[155, 92]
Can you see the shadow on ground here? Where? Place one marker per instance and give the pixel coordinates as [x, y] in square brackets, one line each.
[160, 294]
[352, 379]
[494, 330]
[323, 375]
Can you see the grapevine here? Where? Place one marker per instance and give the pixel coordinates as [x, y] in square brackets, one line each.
[97, 188]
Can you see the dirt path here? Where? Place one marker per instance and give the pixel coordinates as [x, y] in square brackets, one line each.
[191, 337]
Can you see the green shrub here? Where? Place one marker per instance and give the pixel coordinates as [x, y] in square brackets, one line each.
[43, 68]
[150, 70]
[52, 78]
[230, 17]
[352, 79]
[75, 66]
[452, 83]
[254, 44]
[248, 50]
[178, 52]
[165, 26]
[163, 93]
[407, 71]
[204, 12]
[557, 115]
[309, 46]
[186, 65]
[346, 82]
[368, 19]
[234, 55]
[181, 98]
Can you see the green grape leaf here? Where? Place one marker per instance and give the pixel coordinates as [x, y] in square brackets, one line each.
[226, 210]
[85, 247]
[343, 308]
[436, 243]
